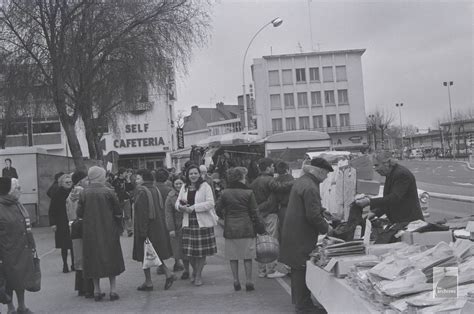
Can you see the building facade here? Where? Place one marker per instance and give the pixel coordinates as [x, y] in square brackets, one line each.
[140, 136]
[321, 91]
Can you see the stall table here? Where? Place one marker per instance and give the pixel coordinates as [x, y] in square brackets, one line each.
[335, 294]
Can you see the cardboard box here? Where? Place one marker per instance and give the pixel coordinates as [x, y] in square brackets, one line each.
[342, 264]
[431, 238]
[370, 187]
[381, 249]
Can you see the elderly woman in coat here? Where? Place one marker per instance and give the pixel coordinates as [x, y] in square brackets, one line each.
[150, 223]
[238, 207]
[16, 243]
[99, 208]
[58, 219]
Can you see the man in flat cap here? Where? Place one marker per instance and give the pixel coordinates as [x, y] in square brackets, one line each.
[303, 223]
[400, 195]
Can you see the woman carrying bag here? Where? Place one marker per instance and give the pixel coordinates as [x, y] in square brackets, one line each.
[150, 223]
[238, 207]
[17, 245]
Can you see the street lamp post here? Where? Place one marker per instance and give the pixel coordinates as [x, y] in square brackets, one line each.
[447, 84]
[400, 105]
[275, 22]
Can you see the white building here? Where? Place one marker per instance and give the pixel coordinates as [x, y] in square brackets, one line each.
[142, 135]
[320, 91]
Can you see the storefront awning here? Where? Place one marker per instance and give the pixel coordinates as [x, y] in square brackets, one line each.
[182, 153]
[229, 139]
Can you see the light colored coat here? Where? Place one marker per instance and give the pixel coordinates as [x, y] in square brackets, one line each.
[203, 206]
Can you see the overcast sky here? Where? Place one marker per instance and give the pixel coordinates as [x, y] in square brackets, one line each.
[411, 48]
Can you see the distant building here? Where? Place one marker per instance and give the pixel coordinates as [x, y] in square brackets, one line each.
[320, 91]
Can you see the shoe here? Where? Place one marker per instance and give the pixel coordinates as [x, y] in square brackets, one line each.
[65, 269]
[198, 282]
[114, 296]
[169, 282]
[192, 278]
[24, 311]
[88, 295]
[145, 288]
[276, 274]
[237, 286]
[178, 267]
[185, 275]
[98, 296]
[249, 287]
[262, 275]
[159, 271]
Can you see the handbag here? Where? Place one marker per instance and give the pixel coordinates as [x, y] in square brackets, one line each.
[34, 282]
[150, 258]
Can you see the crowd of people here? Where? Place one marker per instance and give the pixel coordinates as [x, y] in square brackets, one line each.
[177, 214]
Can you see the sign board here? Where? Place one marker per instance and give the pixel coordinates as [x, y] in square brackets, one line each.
[180, 137]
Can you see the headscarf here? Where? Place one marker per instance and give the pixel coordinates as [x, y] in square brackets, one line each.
[96, 174]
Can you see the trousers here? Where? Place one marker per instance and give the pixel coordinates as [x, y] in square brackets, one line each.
[300, 294]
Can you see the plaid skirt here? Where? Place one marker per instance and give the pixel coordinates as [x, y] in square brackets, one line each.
[198, 242]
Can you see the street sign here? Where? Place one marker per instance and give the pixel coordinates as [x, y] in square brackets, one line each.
[180, 137]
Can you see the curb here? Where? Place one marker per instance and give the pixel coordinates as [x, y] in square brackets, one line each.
[460, 198]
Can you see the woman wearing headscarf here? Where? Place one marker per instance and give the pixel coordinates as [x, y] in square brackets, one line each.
[196, 202]
[59, 221]
[16, 243]
[150, 223]
[174, 223]
[99, 208]
[83, 286]
[238, 207]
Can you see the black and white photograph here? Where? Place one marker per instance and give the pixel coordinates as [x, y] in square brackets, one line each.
[236, 156]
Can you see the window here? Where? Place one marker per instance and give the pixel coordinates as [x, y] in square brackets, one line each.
[331, 120]
[277, 125]
[329, 97]
[341, 74]
[314, 74]
[342, 97]
[300, 75]
[302, 100]
[289, 101]
[316, 99]
[273, 78]
[46, 127]
[275, 101]
[344, 119]
[304, 123]
[290, 124]
[327, 74]
[318, 122]
[287, 77]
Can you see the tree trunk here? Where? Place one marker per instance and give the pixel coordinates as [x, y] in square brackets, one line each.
[73, 142]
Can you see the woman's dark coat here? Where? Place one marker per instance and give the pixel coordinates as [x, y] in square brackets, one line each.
[58, 218]
[16, 243]
[98, 206]
[174, 218]
[303, 222]
[154, 229]
[238, 207]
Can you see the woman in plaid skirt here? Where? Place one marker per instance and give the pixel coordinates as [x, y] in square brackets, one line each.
[196, 202]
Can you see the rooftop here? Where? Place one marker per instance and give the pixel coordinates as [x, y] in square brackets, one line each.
[316, 53]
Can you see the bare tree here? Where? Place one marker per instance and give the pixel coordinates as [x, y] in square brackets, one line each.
[379, 120]
[96, 55]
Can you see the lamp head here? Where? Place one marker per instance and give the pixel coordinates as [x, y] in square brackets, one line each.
[277, 22]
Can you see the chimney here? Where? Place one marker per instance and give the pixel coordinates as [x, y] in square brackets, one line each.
[194, 109]
[220, 105]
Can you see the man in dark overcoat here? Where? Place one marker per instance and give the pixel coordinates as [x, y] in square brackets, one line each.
[303, 223]
[400, 200]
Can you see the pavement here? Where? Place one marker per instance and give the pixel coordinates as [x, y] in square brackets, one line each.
[217, 295]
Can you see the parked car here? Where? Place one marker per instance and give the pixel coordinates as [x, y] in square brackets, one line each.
[423, 196]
